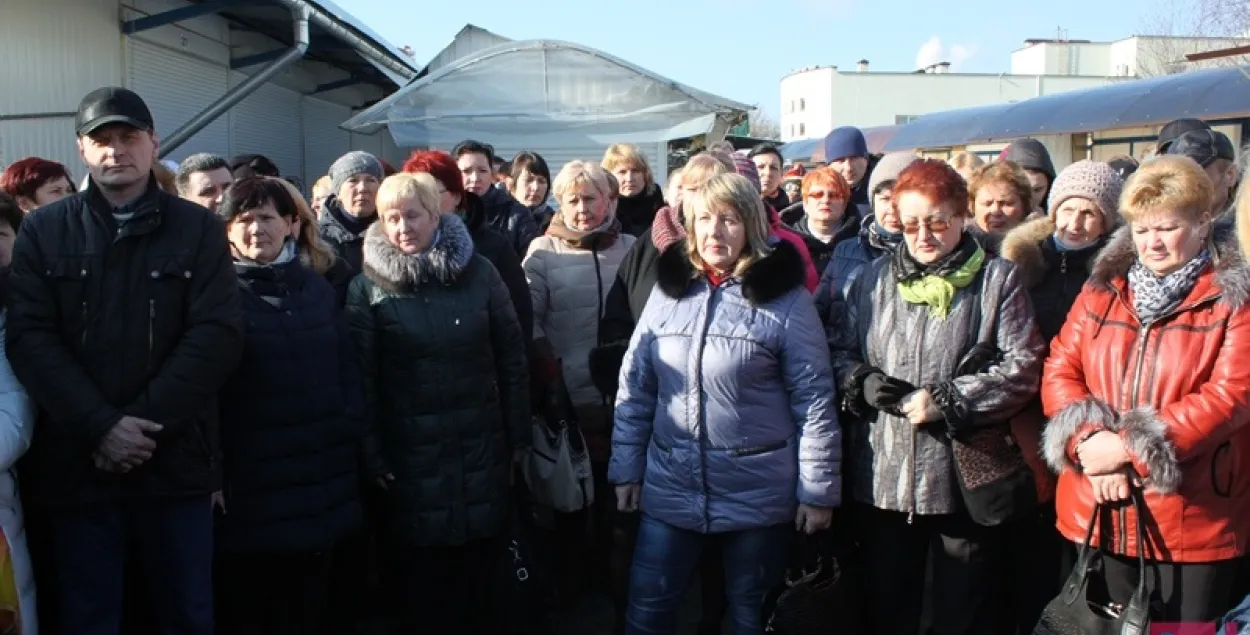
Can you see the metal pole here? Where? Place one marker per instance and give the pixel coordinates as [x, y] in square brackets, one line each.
[238, 93]
[352, 38]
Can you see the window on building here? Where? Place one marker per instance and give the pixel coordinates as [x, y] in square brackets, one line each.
[802, 129]
[791, 130]
[902, 119]
[791, 105]
[802, 105]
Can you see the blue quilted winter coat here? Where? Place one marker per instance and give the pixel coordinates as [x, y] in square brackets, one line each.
[726, 409]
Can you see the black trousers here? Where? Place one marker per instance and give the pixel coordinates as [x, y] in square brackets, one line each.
[1030, 572]
[1178, 592]
[447, 589]
[893, 557]
[273, 594]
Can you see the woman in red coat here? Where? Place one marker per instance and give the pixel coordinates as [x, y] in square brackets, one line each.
[1148, 384]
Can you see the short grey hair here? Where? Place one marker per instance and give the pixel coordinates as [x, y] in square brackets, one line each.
[199, 162]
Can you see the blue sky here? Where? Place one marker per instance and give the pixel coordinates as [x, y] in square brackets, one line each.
[740, 49]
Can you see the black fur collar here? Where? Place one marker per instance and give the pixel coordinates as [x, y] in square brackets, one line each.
[768, 279]
[1232, 274]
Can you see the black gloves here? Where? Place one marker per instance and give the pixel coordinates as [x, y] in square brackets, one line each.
[884, 392]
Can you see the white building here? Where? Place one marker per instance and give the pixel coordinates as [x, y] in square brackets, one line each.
[818, 99]
[191, 62]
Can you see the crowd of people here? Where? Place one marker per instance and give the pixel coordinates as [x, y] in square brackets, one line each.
[232, 409]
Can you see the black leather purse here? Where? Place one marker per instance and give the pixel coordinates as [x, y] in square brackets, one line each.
[815, 598]
[1074, 612]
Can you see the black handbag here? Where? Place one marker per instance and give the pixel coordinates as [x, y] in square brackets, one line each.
[814, 598]
[1075, 613]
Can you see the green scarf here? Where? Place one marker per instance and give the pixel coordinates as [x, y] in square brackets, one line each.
[939, 291]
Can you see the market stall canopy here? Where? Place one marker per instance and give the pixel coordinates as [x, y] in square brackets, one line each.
[1217, 93]
[813, 150]
[518, 93]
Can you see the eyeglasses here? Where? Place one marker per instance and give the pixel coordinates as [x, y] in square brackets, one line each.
[821, 195]
[935, 225]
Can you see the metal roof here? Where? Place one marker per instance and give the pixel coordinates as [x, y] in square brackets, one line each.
[1217, 93]
[330, 38]
[544, 91]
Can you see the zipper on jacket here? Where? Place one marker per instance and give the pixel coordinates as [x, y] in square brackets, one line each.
[84, 324]
[1063, 262]
[1143, 338]
[151, 329]
[700, 420]
[915, 471]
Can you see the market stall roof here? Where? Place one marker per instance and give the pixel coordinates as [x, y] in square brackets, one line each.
[553, 92]
[1216, 93]
[814, 149]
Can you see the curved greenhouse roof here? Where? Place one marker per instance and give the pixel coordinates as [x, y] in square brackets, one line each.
[547, 91]
[1218, 93]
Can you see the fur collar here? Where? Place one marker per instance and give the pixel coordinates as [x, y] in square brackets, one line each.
[1232, 274]
[766, 280]
[397, 272]
[1023, 246]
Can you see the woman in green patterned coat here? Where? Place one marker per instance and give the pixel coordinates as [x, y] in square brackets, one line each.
[446, 380]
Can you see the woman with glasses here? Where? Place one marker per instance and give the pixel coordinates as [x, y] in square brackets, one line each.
[935, 349]
[822, 218]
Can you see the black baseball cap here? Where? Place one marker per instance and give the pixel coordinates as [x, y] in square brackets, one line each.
[112, 104]
[1204, 146]
[1124, 166]
[1174, 129]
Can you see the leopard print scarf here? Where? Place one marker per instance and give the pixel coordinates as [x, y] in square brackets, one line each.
[1154, 296]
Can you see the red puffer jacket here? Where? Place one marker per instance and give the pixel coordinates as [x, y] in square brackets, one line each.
[1178, 394]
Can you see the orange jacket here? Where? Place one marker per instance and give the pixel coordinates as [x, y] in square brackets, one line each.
[1177, 393]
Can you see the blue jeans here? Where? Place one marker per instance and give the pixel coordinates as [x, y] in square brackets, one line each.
[173, 545]
[665, 559]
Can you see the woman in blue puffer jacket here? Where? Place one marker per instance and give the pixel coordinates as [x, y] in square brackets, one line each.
[725, 420]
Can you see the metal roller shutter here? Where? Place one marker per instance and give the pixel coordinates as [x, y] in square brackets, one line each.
[176, 87]
[268, 122]
[324, 141]
[369, 143]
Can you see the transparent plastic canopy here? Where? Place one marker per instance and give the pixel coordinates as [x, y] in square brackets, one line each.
[544, 91]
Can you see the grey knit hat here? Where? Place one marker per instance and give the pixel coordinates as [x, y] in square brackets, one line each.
[1093, 180]
[351, 164]
[889, 168]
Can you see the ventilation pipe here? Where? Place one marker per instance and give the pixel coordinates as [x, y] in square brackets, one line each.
[350, 37]
[863, 66]
[240, 92]
[943, 68]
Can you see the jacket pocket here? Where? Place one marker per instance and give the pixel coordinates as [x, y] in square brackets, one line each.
[69, 278]
[169, 278]
[753, 450]
[1223, 470]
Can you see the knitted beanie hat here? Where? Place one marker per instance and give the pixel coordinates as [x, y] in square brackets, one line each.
[746, 167]
[889, 168]
[351, 164]
[1093, 180]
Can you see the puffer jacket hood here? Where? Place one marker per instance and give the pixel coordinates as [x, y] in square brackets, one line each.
[397, 272]
[1030, 154]
[1176, 394]
[713, 450]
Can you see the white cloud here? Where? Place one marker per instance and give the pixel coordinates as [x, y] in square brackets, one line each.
[934, 51]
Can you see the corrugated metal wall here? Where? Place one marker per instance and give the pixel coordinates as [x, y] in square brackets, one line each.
[176, 86]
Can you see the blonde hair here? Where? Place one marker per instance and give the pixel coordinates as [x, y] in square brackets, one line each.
[314, 252]
[1001, 172]
[165, 178]
[965, 161]
[322, 184]
[578, 173]
[697, 171]
[418, 187]
[1168, 183]
[619, 154]
[732, 193]
[1241, 207]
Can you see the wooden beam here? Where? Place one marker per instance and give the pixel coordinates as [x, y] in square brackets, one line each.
[1218, 53]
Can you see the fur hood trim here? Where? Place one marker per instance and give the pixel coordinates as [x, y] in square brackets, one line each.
[768, 279]
[398, 272]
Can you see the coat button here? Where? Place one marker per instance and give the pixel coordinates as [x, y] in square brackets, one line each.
[84, 273]
[155, 274]
[186, 274]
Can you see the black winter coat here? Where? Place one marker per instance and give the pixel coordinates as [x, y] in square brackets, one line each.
[346, 244]
[446, 383]
[635, 278]
[637, 212]
[795, 218]
[1054, 278]
[509, 218]
[492, 246]
[141, 320]
[292, 418]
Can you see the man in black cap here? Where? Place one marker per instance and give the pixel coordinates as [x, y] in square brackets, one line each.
[1214, 151]
[1172, 130]
[123, 323]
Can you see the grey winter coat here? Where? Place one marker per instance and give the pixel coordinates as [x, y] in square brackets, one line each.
[894, 465]
[446, 383]
[726, 410]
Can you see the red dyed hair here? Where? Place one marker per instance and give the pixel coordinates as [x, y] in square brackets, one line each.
[936, 181]
[24, 177]
[831, 181]
[439, 165]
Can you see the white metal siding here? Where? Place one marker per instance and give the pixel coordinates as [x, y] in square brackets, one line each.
[176, 87]
[268, 122]
[369, 143]
[52, 139]
[324, 141]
